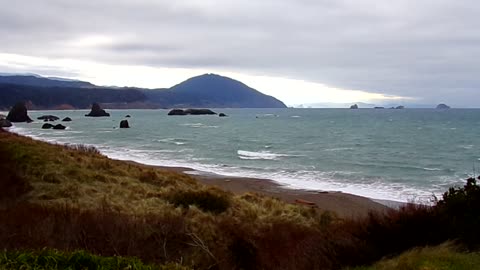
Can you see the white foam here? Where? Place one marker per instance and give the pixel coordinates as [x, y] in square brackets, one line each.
[242, 154]
[197, 125]
[432, 169]
[175, 141]
[192, 124]
[466, 146]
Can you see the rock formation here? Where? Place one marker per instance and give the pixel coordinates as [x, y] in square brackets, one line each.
[48, 117]
[354, 106]
[124, 124]
[67, 119]
[191, 112]
[5, 123]
[97, 111]
[59, 126]
[177, 112]
[443, 106]
[222, 115]
[47, 126]
[19, 113]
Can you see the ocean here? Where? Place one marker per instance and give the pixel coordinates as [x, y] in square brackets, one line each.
[401, 155]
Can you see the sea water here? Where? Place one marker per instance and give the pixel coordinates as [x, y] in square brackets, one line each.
[403, 155]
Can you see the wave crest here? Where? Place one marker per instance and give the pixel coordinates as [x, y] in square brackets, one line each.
[242, 154]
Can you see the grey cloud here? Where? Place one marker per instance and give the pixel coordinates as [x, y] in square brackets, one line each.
[423, 49]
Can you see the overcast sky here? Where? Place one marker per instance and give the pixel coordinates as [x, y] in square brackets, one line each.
[301, 51]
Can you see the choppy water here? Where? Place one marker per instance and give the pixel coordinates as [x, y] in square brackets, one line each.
[384, 154]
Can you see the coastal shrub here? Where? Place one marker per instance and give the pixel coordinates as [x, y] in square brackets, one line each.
[152, 238]
[460, 211]
[456, 217]
[210, 200]
[386, 234]
[444, 257]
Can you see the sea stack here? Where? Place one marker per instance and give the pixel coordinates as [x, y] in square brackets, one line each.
[354, 107]
[124, 124]
[97, 111]
[443, 106]
[19, 114]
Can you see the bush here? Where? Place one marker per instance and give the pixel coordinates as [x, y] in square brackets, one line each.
[152, 238]
[214, 201]
[460, 210]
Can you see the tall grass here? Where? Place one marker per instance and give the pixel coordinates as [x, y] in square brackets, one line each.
[58, 260]
[57, 197]
[443, 257]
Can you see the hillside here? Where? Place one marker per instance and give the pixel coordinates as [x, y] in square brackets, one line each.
[215, 91]
[52, 97]
[35, 80]
[71, 197]
[203, 91]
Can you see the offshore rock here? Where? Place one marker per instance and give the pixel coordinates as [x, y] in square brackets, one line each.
[443, 106]
[191, 112]
[177, 112]
[59, 126]
[5, 123]
[19, 114]
[47, 126]
[97, 111]
[124, 124]
[48, 118]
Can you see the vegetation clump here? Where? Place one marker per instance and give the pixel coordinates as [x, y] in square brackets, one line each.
[443, 257]
[459, 210]
[210, 201]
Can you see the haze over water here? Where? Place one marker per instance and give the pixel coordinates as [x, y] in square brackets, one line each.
[384, 154]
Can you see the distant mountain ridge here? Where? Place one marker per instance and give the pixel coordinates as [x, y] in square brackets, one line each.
[35, 80]
[207, 90]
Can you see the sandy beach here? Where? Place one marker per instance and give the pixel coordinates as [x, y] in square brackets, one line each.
[344, 204]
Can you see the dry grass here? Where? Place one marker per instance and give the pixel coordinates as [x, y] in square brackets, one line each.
[80, 179]
[72, 198]
[442, 257]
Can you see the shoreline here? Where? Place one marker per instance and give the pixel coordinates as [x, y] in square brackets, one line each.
[345, 205]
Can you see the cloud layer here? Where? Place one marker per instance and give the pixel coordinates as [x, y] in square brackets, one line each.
[423, 49]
